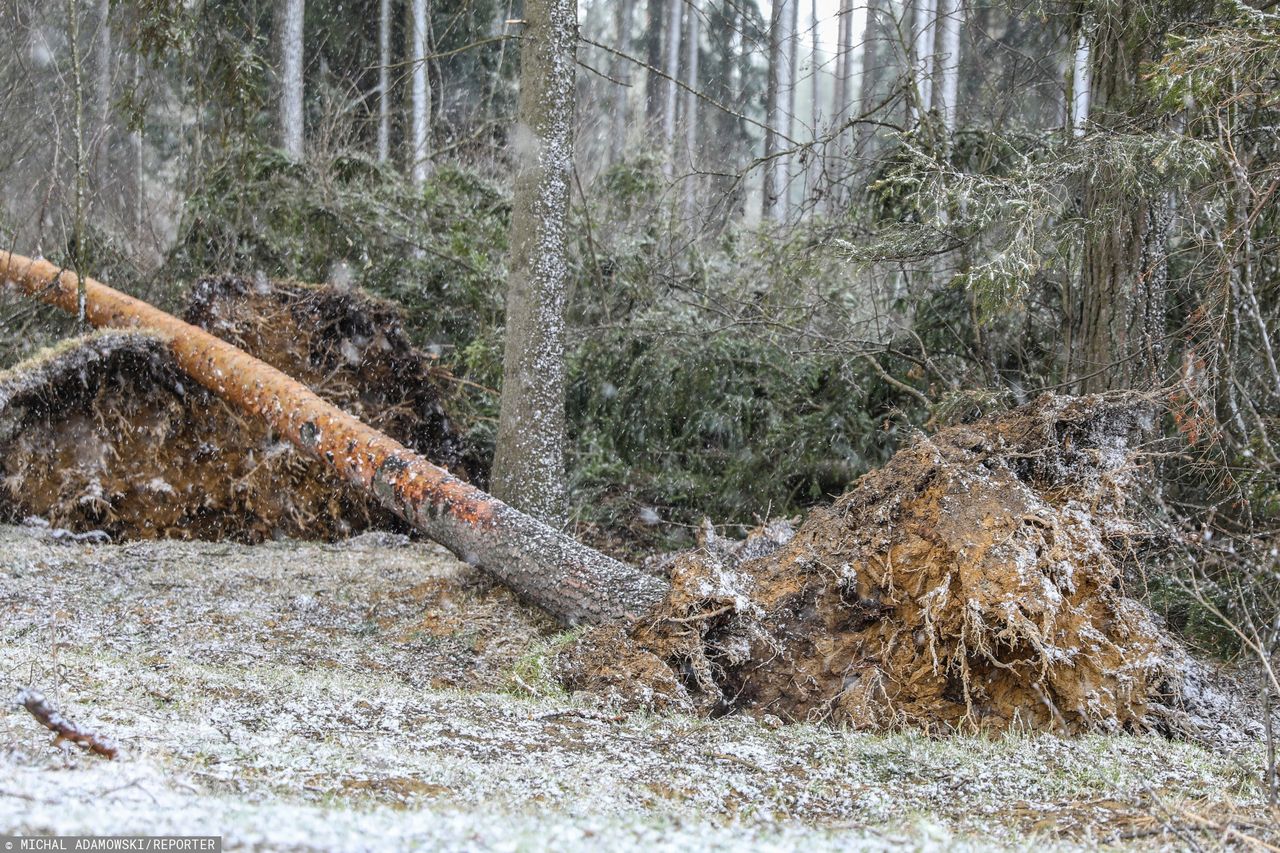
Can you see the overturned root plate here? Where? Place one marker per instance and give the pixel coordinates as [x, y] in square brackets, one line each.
[973, 582]
[104, 433]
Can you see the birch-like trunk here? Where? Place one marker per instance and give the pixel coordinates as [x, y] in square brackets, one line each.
[922, 51]
[291, 119]
[528, 464]
[692, 39]
[384, 80]
[950, 22]
[670, 92]
[1078, 91]
[621, 71]
[420, 149]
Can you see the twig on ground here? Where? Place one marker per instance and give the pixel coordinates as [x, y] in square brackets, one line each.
[66, 730]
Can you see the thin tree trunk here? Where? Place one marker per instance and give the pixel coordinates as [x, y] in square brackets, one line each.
[621, 71]
[77, 243]
[772, 115]
[138, 152]
[814, 167]
[291, 117]
[782, 89]
[654, 85]
[670, 96]
[574, 583]
[950, 22]
[528, 464]
[875, 53]
[692, 41]
[102, 98]
[792, 47]
[925, 27]
[384, 80]
[844, 46]
[1078, 93]
[420, 151]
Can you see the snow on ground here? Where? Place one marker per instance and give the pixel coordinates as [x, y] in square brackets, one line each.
[378, 695]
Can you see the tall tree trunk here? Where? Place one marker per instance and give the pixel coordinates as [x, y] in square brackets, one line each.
[654, 85]
[621, 71]
[693, 39]
[844, 46]
[420, 151]
[137, 159]
[925, 26]
[950, 22]
[1118, 331]
[874, 54]
[841, 96]
[384, 80]
[77, 247]
[574, 583]
[528, 464]
[102, 99]
[1078, 90]
[772, 113]
[814, 166]
[670, 96]
[782, 48]
[291, 118]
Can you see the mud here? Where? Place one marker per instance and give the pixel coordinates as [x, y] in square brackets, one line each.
[105, 434]
[973, 583]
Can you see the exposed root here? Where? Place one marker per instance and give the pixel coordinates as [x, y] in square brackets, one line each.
[971, 583]
[105, 434]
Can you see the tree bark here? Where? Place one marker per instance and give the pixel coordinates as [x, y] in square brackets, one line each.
[654, 85]
[873, 55]
[384, 80]
[528, 464]
[771, 113]
[420, 151]
[950, 22]
[781, 108]
[692, 42]
[1078, 91]
[925, 28]
[1117, 332]
[844, 46]
[102, 97]
[670, 93]
[291, 117]
[574, 583]
[621, 71]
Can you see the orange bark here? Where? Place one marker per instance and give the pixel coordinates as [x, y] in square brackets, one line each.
[573, 582]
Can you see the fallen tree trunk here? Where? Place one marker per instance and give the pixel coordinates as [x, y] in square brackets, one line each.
[574, 583]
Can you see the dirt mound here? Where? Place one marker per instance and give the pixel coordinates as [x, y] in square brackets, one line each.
[104, 433]
[974, 582]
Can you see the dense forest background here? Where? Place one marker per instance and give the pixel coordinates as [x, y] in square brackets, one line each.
[797, 231]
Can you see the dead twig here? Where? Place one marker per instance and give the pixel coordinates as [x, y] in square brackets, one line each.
[66, 730]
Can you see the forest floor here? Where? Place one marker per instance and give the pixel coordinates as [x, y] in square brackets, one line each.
[379, 694]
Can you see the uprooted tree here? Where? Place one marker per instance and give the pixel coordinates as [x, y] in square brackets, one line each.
[974, 581]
